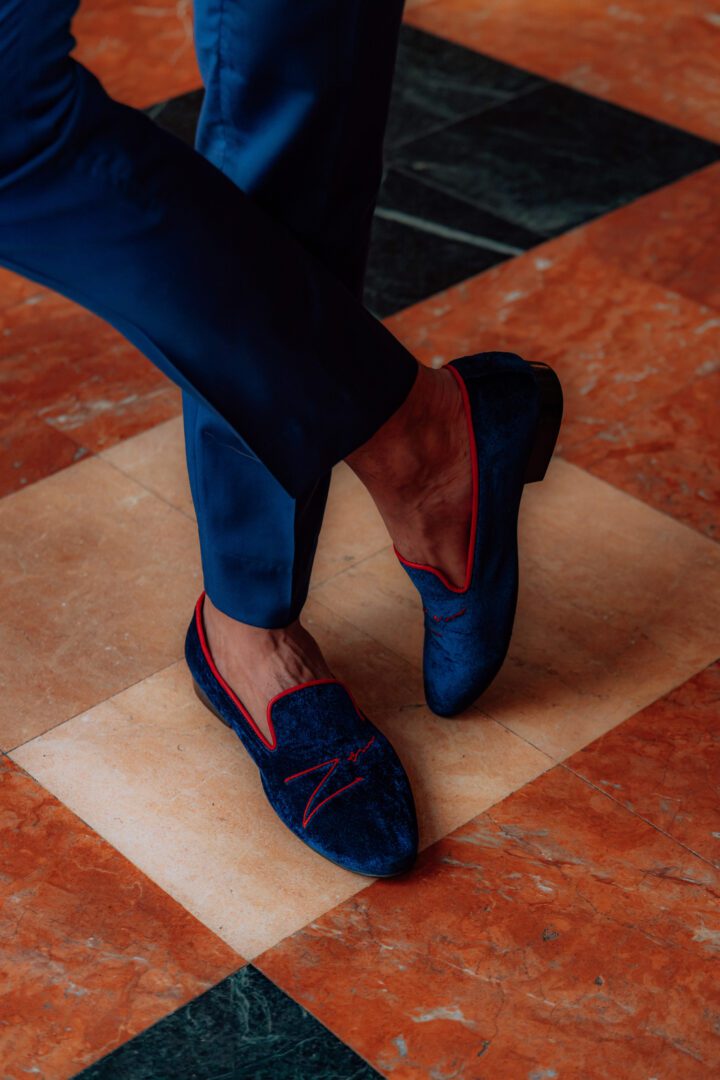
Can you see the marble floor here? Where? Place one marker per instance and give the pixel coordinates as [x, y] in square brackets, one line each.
[551, 187]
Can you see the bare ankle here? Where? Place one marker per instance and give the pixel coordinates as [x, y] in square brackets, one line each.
[412, 440]
[417, 469]
[259, 663]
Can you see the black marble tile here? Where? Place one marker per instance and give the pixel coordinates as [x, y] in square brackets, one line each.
[484, 160]
[245, 1027]
[437, 82]
[424, 240]
[554, 158]
[179, 115]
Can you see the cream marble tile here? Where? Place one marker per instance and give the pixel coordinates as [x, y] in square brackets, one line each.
[454, 765]
[352, 528]
[378, 597]
[99, 578]
[618, 604]
[156, 459]
[160, 778]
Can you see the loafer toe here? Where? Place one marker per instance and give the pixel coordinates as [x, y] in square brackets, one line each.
[331, 776]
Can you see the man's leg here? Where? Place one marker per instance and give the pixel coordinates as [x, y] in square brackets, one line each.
[296, 102]
[295, 109]
[99, 204]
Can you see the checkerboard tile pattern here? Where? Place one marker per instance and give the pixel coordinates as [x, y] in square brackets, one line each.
[550, 188]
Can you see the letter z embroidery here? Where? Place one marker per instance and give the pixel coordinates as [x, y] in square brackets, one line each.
[331, 765]
[437, 619]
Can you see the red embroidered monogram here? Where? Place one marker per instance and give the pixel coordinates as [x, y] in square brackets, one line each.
[445, 618]
[331, 765]
[355, 754]
[437, 619]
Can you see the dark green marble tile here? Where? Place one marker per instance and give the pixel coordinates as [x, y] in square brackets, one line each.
[424, 240]
[484, 160]
[437, 82]
[553, 158]
[179, 115]
[245, 1027]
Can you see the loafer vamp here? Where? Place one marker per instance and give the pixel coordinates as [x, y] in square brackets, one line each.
[343, 791]
[331, 776]
[468, 629]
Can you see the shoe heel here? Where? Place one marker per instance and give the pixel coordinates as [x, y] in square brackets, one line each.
[549, 419]
[208, 704]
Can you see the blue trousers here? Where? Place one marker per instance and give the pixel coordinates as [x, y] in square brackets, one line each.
[237, 268]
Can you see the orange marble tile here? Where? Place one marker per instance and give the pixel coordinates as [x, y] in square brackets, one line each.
[101, 411]
[155, 774]
[660, 59]
[92, 952]
[556, 935]
[664, 764]
[73, 371]
[668, 452]
[668, 455]
[668, 236]
[41, 338]
[618, 343]
[31, 449]
[15, 290]
[99, 581]
[618, 604]
[142, 53]
[638, 363]
[156, 459]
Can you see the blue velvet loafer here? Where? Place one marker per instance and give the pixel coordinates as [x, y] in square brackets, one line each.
[513, 410]
[329, 774]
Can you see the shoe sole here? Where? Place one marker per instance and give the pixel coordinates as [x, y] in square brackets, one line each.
[209, 705]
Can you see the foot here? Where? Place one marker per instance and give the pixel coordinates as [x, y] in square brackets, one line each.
[329, 774]
[417, 469]
[258, 663]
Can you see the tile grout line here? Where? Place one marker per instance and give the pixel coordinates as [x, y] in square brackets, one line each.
[551, 764]
[99, 455]
[488, 812]
[331, 578]
[551, 79]
[351, 566]
[338, 573]
[68, 719]
[129, 476]
[409, 174]
[628, 809]
[307, 1009]
[581, 469]
[714, 542]
[506, 99]
[447, 233]
[540, 81]
[328, 607]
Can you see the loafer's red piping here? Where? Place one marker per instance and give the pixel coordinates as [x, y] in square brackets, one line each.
[475, 498]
